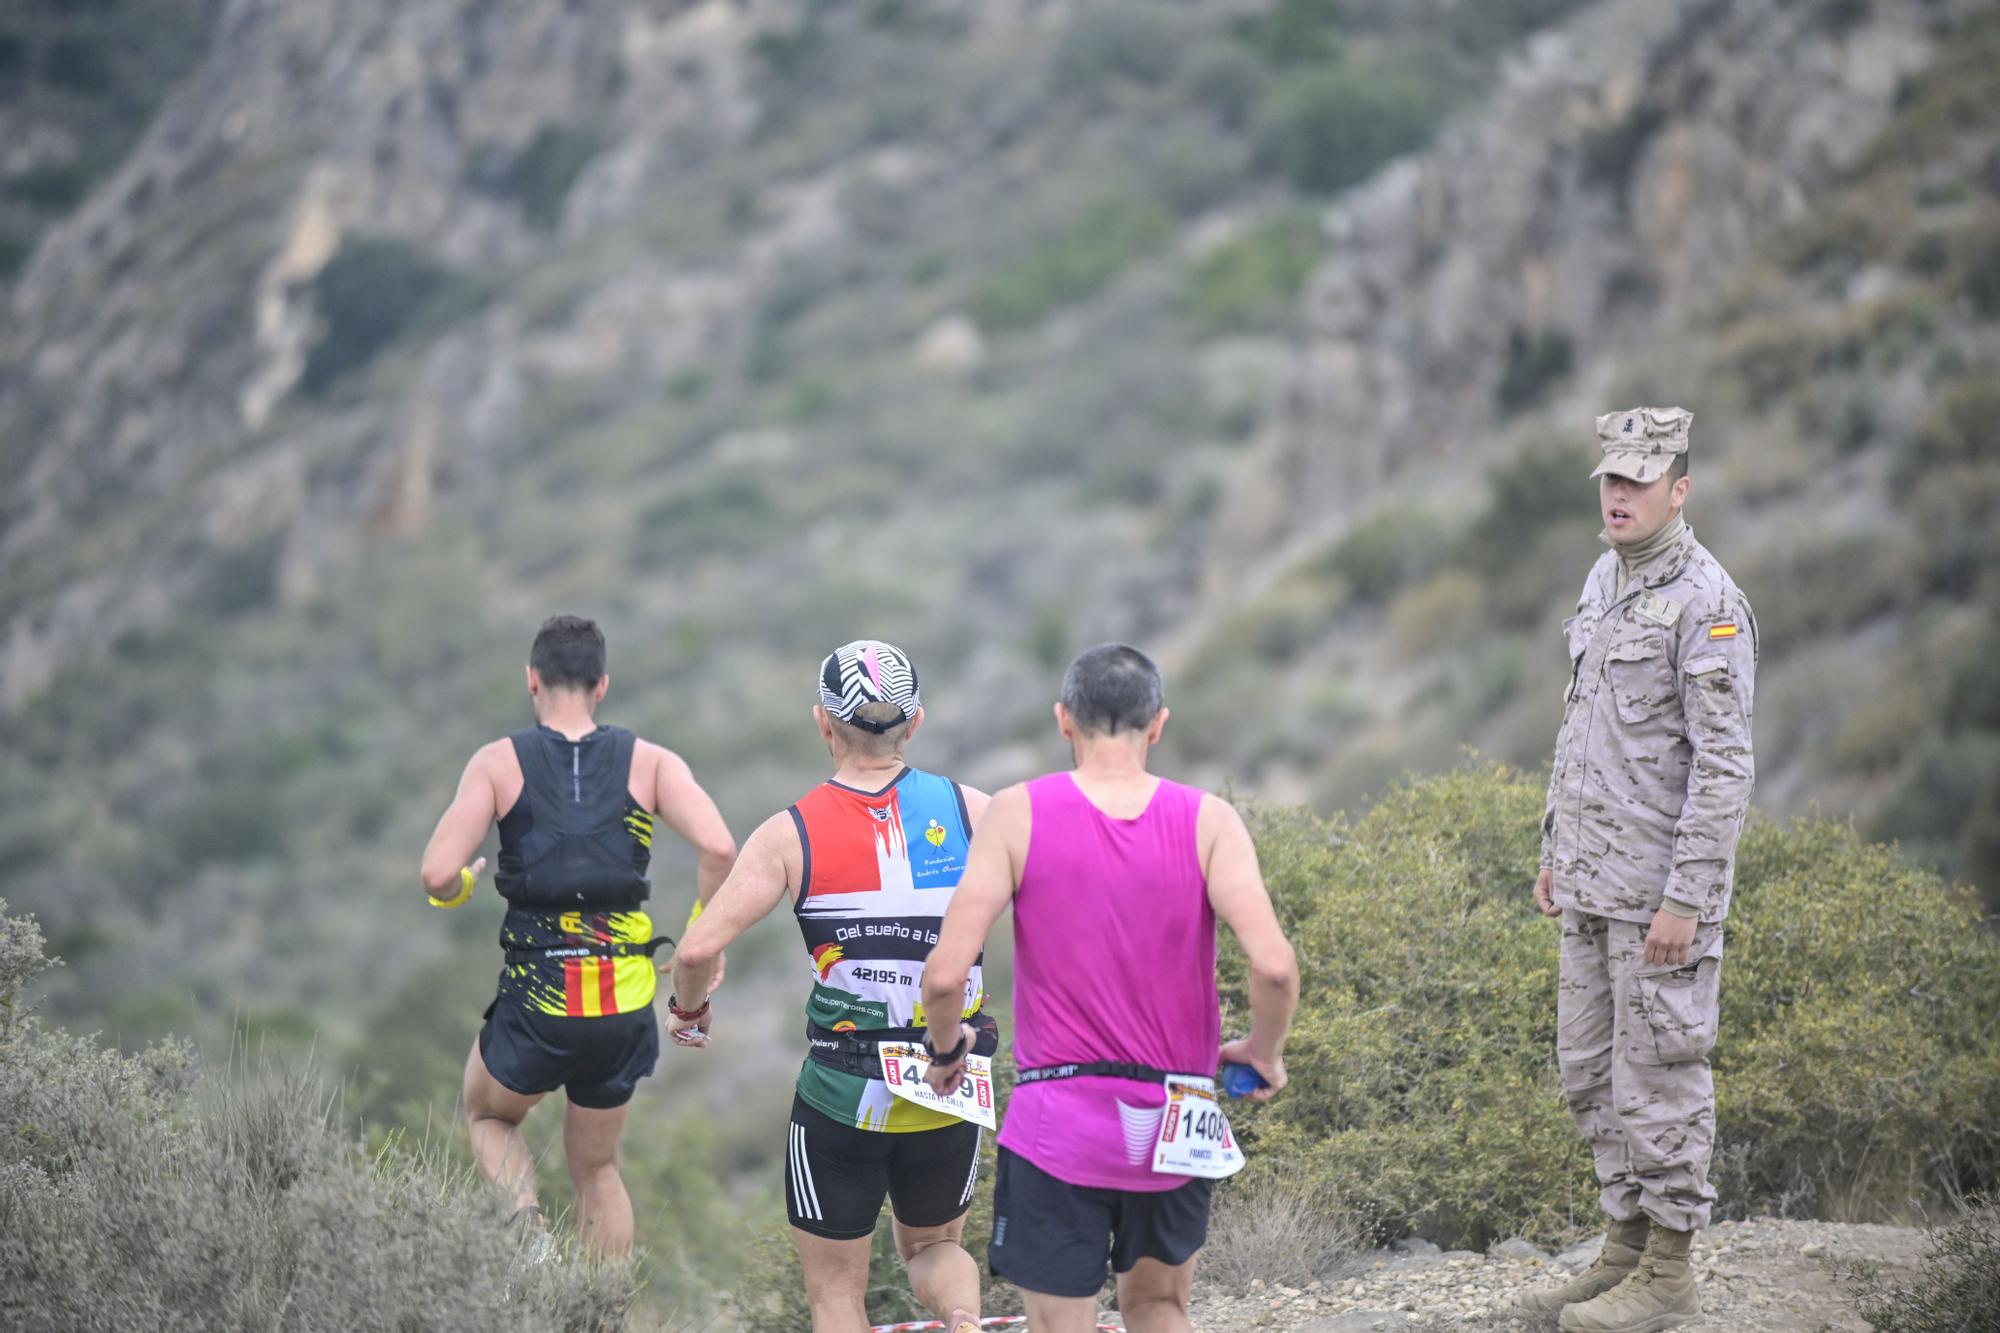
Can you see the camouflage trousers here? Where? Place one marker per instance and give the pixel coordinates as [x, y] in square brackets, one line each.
[1633, 1040]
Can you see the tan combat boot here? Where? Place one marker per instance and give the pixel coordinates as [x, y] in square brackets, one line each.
[1619, 1257]
[1658, 1295]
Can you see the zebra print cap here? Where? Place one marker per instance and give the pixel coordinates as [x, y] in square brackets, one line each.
[864, 672]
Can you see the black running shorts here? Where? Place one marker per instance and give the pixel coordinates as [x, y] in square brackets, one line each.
[1056, 1238]
[597, 1062]
[836, 1175]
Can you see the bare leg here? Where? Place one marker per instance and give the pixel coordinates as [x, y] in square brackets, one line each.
[1059, 1314]
[836, 1281]
[493, 1115]
[590, 1146]
[1153, 1296]
[944, 1277]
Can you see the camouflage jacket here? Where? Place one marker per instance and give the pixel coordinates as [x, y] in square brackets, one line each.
[1653, 764]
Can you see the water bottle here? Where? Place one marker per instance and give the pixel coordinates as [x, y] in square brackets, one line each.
[1240, 1080]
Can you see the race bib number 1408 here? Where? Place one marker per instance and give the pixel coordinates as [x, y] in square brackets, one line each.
[1194, 1133]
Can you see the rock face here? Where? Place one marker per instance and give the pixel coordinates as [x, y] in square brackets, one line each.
[1621, 172]
[137, 358]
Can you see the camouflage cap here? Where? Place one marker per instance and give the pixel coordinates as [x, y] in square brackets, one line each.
[1642, 442]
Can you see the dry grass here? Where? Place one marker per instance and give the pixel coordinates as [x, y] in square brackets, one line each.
[1278, 1230]
[137, 1193]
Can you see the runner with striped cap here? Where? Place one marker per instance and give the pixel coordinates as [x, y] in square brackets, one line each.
[870, 860]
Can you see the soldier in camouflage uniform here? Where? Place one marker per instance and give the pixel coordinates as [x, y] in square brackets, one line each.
[1651, 781]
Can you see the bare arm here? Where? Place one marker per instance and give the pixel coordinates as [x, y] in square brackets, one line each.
[461, 829]
[690, 811]
[976, 802]
[992, 873]
[1236, 891]
[754, 886]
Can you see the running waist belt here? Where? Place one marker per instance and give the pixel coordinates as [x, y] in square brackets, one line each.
[1102, 1069]
[854, 1052]
[595, 949]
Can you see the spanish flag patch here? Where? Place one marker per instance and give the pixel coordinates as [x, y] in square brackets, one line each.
[1722, 631]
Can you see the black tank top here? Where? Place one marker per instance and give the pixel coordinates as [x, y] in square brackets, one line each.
[569, 842]
[574, 851]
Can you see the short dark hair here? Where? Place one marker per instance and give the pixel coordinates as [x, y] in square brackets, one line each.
[1112, 688]
[1678, 468]
[568, 653]
[875, 744]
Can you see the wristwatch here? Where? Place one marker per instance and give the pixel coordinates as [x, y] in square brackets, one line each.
[950, 1057]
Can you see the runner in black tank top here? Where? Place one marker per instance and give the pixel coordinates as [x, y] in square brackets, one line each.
[577, 805]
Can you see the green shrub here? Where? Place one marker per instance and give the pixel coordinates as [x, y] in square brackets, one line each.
[1937, 792]
[1533, 364]
[1116, 41]
[1956, 1289]
[1328, 128]
[136, 1195]
[1225, 78]
[1073, 263]
[1295, 32]
[78, 64]
[1255, 279]
[542, 173]
[1493, 24]
[1424, 1085]
[1544, 489]
[1828, 586]
[1440, 612]
[1982, 273]
[1958, 430]
[1386, 552]
[15, 247]
[725, 514]
[371, 292]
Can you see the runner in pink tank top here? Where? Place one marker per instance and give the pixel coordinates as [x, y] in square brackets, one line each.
[1117, 877]
[1114, 960]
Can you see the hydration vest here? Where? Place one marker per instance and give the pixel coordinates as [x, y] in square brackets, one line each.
[574, 850]
[575, 840]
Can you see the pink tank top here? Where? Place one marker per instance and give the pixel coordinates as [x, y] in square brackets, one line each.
[1114, 959]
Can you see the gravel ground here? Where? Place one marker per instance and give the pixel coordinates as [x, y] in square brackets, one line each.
[1754, 1275]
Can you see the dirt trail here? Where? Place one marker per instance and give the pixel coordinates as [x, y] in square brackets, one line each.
[1755, 1275]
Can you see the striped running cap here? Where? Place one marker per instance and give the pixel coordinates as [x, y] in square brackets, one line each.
[864, 672]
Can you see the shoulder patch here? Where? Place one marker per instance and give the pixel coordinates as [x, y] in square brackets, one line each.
[1660, 610]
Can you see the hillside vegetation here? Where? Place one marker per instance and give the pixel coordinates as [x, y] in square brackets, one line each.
[1424, 1085]
[1424, 1099]
[139, 1192]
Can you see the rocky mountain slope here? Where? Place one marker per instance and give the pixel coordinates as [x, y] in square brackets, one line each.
[999, 329]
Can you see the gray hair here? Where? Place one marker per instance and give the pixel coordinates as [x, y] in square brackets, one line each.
[1112, 688]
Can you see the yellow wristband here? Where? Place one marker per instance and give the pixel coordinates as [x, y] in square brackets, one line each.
[693, 917]
[464, 894]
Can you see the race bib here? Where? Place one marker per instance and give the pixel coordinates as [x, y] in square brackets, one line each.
[903, 1069]
[1194, 1133]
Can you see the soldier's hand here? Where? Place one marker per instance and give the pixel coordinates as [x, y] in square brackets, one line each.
[1545, 893]
[1668, 938]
